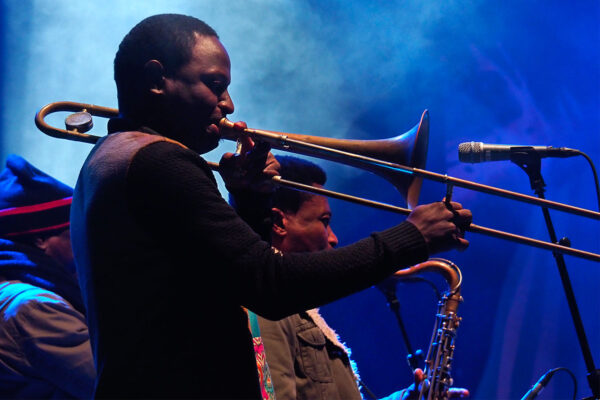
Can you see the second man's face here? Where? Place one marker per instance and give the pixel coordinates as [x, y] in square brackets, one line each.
[308, 229]
[196, 96]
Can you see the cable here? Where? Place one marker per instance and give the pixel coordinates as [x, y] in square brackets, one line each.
[543, 381]
[595, 175]
[369, 392]
[415, 279]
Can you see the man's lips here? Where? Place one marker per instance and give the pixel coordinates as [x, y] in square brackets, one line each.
[213, 129]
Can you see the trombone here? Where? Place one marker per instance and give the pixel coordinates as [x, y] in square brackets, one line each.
[400, 160]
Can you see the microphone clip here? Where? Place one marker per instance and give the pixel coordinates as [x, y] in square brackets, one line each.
[530, 161]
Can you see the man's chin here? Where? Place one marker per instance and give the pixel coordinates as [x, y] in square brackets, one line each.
[205, 145]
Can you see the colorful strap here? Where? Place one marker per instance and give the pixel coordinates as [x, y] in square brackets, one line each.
[266, 383]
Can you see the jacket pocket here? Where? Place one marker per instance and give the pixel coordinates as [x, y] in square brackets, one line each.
[313, 355]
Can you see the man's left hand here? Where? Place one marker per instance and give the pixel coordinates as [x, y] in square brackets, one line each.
[251, 168]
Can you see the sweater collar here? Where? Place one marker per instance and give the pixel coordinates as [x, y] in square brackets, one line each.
[121, 124]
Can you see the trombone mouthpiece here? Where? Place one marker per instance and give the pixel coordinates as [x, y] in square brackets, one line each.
[225, 123]
[227, 131]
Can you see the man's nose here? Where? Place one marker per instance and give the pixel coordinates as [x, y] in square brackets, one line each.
[331, 238]
[225, 103]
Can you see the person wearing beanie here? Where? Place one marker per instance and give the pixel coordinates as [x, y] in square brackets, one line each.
[44, 342]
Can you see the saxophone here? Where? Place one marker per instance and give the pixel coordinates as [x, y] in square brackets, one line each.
[441, 348]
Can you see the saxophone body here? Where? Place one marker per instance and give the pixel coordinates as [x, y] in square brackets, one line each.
[438, 363]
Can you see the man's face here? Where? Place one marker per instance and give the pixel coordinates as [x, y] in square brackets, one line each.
[196, 96]
[59, 248]
[308, 229]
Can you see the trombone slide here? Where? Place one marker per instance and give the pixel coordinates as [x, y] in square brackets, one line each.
[413, 151]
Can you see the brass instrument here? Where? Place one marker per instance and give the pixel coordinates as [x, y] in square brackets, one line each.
[400, 160]
[408, 148]
[441, 348]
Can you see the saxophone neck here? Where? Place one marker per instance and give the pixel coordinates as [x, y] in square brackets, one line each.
[447, 269]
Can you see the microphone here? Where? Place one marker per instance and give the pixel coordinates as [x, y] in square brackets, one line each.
[476, 152]
[539, 386]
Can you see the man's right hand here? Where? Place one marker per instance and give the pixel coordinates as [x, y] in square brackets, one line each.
[442, 225]
[413, 391]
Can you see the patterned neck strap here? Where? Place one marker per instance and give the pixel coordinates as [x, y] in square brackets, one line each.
[266, 383]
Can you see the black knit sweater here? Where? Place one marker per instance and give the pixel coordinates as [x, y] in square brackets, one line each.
[165, 265]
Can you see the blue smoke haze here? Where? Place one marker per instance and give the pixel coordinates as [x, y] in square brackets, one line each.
[497, 72]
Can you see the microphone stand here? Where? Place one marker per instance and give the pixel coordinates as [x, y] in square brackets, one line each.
[413, 358]
[531, 163]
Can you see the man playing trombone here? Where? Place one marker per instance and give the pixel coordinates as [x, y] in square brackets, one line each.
[166, 266]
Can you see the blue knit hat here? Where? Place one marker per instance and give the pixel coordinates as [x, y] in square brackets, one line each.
[31, 202]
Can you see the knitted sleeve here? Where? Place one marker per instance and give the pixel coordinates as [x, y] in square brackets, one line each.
[173, 190]
[255, 209]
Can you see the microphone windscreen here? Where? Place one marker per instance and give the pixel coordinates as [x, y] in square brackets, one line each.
[470, 152]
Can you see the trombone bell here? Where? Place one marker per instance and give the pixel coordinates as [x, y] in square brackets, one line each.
[409, 148]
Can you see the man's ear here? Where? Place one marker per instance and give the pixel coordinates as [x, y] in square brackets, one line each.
[154, 76]
[279, 222]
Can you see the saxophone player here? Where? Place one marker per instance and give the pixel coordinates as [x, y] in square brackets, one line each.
[305, 357]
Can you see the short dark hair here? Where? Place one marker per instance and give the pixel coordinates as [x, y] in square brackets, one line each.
[168, 38]
[301, 171]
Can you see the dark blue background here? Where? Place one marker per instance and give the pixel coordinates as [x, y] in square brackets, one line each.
[497, 72]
